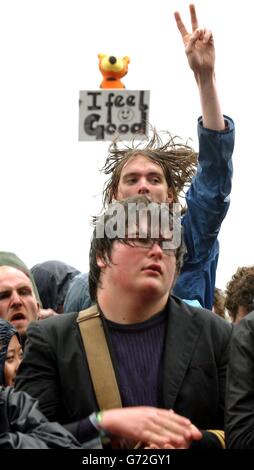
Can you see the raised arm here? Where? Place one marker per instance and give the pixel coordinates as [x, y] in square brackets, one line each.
[200, 51]
[208, 196]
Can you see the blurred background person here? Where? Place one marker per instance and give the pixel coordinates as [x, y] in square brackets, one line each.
[19, 298]
[219, 302]
[11, 353]
[239, 294]
[22, 425]
[53, 279]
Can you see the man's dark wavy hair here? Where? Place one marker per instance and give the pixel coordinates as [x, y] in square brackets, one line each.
[102, 247]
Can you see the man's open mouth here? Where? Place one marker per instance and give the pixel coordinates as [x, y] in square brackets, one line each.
[18, 316]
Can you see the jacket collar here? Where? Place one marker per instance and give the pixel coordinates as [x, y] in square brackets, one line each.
[183, 331]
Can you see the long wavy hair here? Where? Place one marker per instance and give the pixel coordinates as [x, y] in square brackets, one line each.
[177, 159]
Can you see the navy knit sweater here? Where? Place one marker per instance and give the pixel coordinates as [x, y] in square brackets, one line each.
[138, 351]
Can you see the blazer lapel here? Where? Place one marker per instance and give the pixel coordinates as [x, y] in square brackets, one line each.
[182, 334]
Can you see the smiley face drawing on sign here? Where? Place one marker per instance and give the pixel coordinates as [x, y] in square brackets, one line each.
[125, 114]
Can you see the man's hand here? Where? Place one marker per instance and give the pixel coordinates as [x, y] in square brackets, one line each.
[151, 426]
[199, 48]
[199, 45]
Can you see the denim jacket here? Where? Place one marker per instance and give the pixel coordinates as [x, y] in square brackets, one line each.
[207, 204]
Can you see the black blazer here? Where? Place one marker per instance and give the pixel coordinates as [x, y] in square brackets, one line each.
[240, 387]
[55, 370]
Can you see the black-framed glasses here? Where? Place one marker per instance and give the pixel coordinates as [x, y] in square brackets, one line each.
[147, 243]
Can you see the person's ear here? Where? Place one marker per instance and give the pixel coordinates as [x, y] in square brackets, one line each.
[38, 310]
[170, 195]
[100, 262]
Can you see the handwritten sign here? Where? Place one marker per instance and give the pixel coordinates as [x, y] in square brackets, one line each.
[105, 114]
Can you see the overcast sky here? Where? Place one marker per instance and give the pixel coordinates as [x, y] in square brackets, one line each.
[49, 181]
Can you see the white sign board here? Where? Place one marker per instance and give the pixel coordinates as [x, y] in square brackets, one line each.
[105, 114]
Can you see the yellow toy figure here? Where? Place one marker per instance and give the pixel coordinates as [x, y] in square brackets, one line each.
[112, 68]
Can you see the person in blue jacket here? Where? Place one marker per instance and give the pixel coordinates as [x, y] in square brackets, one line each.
[207, 199]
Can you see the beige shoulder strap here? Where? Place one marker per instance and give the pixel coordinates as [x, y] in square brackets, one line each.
[99, 360]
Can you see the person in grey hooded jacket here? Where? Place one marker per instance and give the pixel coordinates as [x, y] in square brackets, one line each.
[22, 425]
[52, 280]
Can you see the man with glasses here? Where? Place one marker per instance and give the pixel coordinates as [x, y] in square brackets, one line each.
[166, 355]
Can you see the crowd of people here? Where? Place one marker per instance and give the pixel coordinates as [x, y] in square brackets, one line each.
[144, 350]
